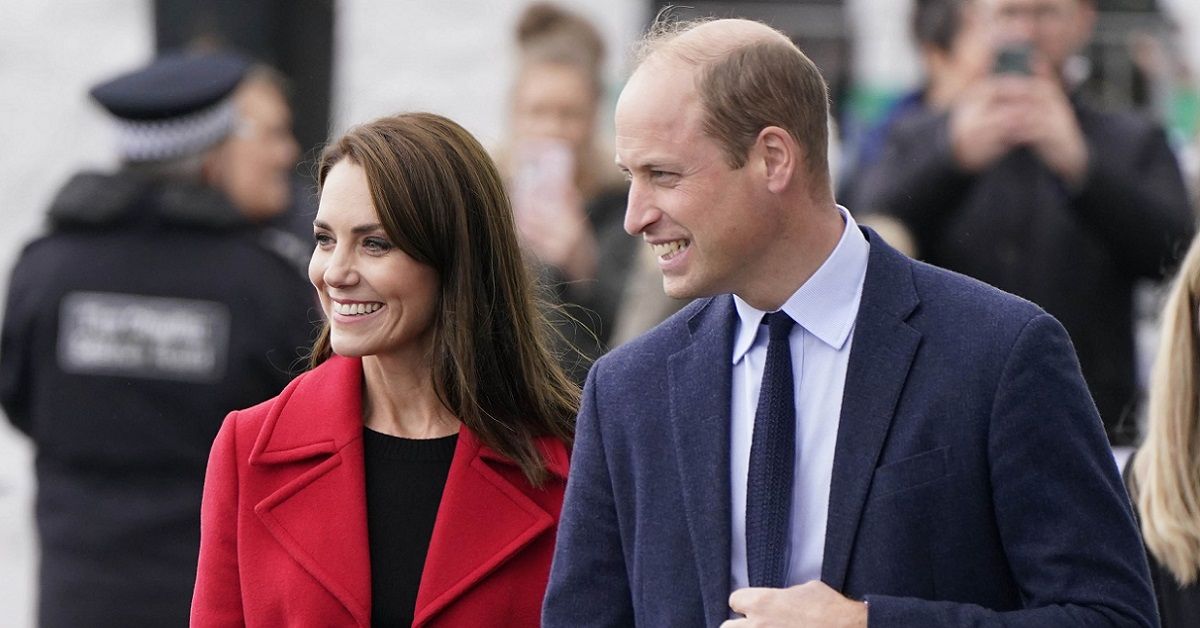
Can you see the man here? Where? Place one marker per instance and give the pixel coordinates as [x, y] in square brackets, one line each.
[155, 305]
[1023, 185]
[923, 451]
[954, 51]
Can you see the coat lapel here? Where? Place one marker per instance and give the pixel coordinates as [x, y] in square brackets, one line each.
[313, 438]
[883, 350]
[484, 519]
[700, 382]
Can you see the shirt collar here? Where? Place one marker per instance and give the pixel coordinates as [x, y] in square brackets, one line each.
[827, 304]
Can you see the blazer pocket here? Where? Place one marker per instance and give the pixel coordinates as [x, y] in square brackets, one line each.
[910, 472]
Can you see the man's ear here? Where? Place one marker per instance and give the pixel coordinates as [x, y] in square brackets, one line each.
[780, 155]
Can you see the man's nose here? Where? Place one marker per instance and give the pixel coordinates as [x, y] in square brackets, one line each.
[638, 209]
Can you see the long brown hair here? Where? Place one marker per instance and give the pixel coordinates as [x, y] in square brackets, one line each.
[441, 201]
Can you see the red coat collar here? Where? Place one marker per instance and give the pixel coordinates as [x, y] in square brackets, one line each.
[485, 516]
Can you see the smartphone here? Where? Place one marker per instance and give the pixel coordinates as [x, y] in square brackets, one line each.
[1013, 59]
[544, 178]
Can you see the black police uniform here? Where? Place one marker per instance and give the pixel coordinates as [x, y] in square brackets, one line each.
[149, 311]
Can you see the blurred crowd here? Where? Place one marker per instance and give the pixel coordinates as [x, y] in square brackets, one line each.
[1000, 166]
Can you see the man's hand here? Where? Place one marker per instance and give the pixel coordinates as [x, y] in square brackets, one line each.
[981, 129]
[811, 605]
[1046, 123]
[1003, 112]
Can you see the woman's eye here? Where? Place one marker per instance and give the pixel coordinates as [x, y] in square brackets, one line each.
[375, 245]
[322, 239]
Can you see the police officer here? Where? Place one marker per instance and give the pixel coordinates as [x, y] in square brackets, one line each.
[157, 303]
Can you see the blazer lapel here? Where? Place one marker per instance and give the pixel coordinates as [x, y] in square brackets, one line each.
[700, 382]
[314, 436]
[883, 350]
[483, 520]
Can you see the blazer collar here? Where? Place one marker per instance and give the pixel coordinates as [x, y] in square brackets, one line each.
[318, 414]
[700, 381]
[311, 441]
[882, 354]
[485, 517]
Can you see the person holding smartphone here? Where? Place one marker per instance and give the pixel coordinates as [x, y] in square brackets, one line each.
[1025, 185]
[568, 198]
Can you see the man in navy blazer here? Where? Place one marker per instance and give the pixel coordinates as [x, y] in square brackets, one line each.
[950, 466]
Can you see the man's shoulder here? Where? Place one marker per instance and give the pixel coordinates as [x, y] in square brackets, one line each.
[671, 334]
[954, 303]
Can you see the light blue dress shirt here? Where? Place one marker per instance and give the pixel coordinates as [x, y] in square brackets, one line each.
[824, 309]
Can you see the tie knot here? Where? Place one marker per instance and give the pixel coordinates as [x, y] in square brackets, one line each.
[779, 324]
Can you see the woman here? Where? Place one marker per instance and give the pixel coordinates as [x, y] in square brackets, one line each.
[414, 476]
[568, 197]
[1164, 474]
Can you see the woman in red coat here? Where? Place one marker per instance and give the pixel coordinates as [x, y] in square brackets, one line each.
[415, 475]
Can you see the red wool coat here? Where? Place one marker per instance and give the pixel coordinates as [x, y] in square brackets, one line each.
[284, 521]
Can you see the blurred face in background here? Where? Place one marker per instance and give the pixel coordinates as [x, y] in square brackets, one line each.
[1056, 29]
[253, 167]
[554, 101]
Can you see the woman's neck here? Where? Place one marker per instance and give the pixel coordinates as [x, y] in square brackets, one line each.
[399, 399]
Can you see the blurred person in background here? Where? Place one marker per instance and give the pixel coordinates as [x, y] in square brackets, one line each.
[1163, 476]
[568, 198]
[1025, 186]
[954, 53]
[415, 475]
[154, 305]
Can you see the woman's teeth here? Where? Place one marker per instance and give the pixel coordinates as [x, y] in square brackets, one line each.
[355, 309]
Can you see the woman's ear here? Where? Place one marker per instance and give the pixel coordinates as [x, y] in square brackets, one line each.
[779, 154]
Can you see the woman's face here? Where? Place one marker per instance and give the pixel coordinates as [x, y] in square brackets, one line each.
[378, 300]
[554, 101]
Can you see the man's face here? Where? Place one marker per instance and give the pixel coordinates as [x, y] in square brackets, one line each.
[1056, 28]
[684, 200]
[254, 165]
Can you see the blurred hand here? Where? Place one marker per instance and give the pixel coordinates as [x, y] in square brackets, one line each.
[981, 129]
[812, 605]
[1006, 111]
[549, 210]
[1046, 123]
[555, 228]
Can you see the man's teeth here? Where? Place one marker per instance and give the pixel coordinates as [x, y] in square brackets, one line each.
[354, 309]
[667, 249]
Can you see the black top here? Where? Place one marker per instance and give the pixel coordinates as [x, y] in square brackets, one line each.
[405, 478]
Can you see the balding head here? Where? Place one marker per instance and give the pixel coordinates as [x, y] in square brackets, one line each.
[748, 76]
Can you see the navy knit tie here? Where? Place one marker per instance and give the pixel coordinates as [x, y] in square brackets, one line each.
[772, 453]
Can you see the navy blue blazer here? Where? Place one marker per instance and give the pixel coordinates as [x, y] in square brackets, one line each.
[972, 481]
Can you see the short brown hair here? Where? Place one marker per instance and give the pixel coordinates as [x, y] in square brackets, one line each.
[441, 201]
[763, 82]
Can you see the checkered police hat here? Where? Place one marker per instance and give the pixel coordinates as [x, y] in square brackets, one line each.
[179, 105]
